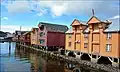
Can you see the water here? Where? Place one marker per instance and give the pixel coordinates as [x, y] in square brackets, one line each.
[23, 60]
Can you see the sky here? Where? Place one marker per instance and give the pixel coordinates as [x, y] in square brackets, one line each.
[28, 13]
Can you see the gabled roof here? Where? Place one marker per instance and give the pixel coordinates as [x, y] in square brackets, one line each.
[97, 20]
[93, 18]
[78, 22]
[54, 27]
[114, 26]
[70, 30]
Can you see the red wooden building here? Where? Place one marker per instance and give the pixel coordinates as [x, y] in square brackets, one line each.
[51, 35]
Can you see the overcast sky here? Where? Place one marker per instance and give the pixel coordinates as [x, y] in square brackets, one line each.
[28, 13]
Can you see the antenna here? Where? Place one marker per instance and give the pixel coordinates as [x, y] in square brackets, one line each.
[93, 12]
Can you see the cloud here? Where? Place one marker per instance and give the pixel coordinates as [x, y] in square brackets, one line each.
[4, 18]
[101, 7]
[115, 17]
[12, 28]
[17, 6]
[59, 8]
[41, 12]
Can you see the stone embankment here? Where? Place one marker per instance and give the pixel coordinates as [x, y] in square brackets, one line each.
[68, 59]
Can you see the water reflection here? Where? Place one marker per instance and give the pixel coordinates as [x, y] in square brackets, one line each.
[71, 68]
[21, 59]
[39, 62]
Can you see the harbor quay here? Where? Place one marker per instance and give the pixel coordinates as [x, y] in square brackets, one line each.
[61, 56]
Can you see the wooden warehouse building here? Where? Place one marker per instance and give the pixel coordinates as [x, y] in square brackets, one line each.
[50, 36]
[95, 40]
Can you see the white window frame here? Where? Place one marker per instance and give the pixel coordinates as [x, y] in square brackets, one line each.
[43, 41]
[70, 36]
[108, 47]
[69, 44]
[85, 35]
[109, 35]
[85, 45]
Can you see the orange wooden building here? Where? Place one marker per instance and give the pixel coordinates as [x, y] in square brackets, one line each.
[96, 39]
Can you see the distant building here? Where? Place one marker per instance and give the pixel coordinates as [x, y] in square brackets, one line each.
[2, 35]
[51, 35]
[17, 35]
[34, 36]
[26, 38]
[9, 35]
[95, 39]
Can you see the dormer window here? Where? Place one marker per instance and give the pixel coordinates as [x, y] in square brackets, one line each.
[41, 27]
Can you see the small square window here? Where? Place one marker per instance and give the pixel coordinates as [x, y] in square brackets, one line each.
[42, 34]
[69, 44]
[85, 35]
[108, 47]
[85, 45]
[109, 35]
[70, 36]
[42, 41]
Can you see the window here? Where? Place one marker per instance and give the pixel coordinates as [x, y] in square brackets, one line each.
[42, 41]
[41, 27]
[70, 36]
[95, 28]
[69, 44]
[85, 35]
[85, 45]
[33, 31]
[42, 34]
[109, 35]
[108, 47]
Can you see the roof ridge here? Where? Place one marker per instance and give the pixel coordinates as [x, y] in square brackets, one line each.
[52, 24]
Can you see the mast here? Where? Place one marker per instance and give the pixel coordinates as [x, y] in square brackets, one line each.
[20, 28]
[93, 12]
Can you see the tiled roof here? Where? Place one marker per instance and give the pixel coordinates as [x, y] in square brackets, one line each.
[114, 26]
[54, 27]
[70, 30]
